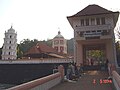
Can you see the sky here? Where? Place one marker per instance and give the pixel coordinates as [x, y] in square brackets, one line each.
[42, 19]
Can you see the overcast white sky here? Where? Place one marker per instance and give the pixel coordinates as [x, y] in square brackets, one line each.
[40, 19]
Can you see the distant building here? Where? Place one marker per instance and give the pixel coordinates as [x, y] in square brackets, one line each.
[60, 43]
[41, 50]
[10, 44]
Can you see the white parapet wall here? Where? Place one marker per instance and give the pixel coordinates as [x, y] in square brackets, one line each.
[36, 61]
[44, 83]
[116, 80]
[48, 85]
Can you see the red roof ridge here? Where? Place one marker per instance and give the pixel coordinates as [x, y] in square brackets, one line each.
[92, 9]
[41, 48]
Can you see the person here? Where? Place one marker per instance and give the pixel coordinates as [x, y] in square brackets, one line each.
[76, 69]
[92, 62]
[55, 69]
[79, 68]
[75, 75]
[69, 71]
[106, 64]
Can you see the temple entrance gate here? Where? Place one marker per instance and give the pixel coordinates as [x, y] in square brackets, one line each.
[94, 33]
[94, 55]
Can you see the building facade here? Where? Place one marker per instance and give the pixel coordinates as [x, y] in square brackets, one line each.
[60, 43]
[40, 51]
[94, 32]
[9, 51]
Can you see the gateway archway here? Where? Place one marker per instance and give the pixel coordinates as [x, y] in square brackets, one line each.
[94, 32]
[94, 55]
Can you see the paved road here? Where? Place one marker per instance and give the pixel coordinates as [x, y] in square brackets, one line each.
[91, 80]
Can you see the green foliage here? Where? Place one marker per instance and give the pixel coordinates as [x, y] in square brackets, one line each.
[117, 48]
[25, 45]
[96, 53]
[19, 51]
[48, 42]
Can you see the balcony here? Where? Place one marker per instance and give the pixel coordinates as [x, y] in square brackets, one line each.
[93, 27]
[96, 34]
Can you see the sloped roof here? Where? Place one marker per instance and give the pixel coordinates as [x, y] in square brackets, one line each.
[40, 48]
[92, 10]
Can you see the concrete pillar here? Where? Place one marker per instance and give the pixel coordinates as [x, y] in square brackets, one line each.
[79, 55]
[61, 70]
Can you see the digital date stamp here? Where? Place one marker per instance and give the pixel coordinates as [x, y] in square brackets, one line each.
[102, 81]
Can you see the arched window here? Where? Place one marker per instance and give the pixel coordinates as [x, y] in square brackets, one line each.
[9, 53]
[9, 47]
[10, 42]
[56, 42]
[61, 42]
[10, 36]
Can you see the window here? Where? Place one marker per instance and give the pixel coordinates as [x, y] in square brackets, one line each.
[98, 30]
[87, 31]
[56, 42]
[102, 20]
[98, 21]
[61, 41]
[10, 47]
[61, 49]
[92, 21]
[87, 22]
[56, 48]
[10, 42]
[10, 36]
[9, 53]
[81, 34]
[104, 32]
[4, 47]
[82, 22]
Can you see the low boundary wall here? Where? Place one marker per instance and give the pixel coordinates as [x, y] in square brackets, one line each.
[116, 80]
[44, 83]
[115, 76]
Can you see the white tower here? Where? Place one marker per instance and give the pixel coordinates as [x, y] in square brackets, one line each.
[59, 43]
[9, 51]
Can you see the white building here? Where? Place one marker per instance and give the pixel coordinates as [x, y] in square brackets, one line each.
[9, 50]
[94, 30]
[59, 43]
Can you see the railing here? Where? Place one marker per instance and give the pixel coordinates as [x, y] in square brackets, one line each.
[115, 76]
[93, 27]
[29, 61]
[116, 80]
[44, 83]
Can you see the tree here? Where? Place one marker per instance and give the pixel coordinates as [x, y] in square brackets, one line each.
[19, 52]
[96, 53]
[26, 44]
[48, 42]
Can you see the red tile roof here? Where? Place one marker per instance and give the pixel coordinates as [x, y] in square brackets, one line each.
[92, 10]
[40, 48]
